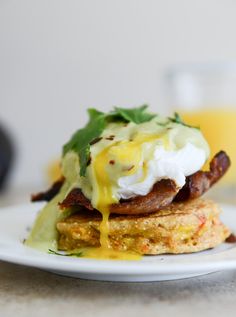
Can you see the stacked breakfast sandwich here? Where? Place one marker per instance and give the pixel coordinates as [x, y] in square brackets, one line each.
[132, 184]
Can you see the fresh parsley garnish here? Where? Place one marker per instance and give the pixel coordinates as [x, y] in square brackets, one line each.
[76, 254]
[81, 140]
[176, 119]
[136, 115]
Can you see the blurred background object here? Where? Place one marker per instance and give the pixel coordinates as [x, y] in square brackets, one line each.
[59, 57]
[6, 157]
[205, 96]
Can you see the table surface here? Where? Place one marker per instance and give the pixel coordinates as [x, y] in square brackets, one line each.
[30, 292]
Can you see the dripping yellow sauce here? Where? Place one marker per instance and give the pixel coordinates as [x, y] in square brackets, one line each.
[100, 186]
[127, 152]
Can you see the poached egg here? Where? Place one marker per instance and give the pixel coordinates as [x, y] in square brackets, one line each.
[130, 158]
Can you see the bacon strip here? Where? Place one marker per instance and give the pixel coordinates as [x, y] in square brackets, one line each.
[198, 183]
[50, 193]
[162, 194]
[76, 198]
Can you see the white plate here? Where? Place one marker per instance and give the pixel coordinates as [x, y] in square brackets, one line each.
[15, 221]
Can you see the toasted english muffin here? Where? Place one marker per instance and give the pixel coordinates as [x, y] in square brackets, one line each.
[178, 228]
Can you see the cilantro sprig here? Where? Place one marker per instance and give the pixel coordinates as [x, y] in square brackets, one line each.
[177, 119]
[136, 115]
[80, 141]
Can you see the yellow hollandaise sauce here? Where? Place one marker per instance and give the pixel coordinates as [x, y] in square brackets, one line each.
[130, 154]
[124, 151]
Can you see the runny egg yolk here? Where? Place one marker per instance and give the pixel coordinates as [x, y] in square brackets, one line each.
[127, 153]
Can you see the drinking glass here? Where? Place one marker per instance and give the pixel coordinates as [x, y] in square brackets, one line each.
[205, 96]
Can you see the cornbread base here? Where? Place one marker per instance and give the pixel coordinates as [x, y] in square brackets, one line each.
[178, 228]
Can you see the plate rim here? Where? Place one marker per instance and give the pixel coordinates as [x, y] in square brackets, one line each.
[35, 258]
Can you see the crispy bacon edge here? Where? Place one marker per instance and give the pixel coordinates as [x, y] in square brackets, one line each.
[198, 183]
[50, 193]
[163, 193]
[76, 198]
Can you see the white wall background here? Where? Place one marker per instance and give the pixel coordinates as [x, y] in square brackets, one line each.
[59, 57]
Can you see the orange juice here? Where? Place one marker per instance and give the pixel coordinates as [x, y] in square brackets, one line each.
[219, 128]
[54, 171]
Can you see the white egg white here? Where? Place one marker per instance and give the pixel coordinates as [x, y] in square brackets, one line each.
[131, 158]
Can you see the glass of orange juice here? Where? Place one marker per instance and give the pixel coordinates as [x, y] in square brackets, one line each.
[205, 96]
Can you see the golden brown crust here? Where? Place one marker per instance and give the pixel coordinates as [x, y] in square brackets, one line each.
[178, 228]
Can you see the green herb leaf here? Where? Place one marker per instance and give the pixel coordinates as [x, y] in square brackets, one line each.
[178, 119]
[84, 157]
[94, 113]
[81, 140]
[76, 254]
[136, 115]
